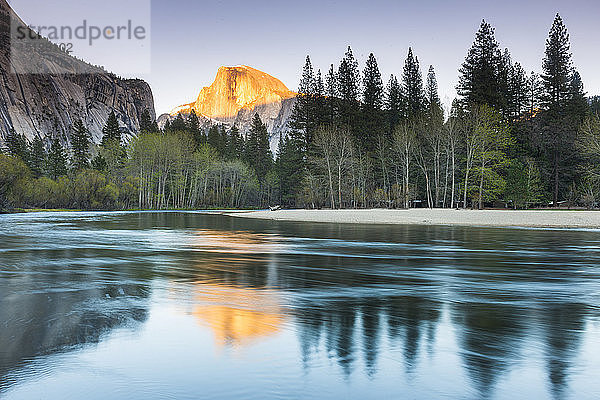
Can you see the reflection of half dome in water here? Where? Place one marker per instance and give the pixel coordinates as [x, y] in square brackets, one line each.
[238, 316]
[236, 242]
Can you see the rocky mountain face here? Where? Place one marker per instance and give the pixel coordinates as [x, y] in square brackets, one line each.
[236, 94]
[61, 90]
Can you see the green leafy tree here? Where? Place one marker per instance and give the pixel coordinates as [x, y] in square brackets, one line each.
[12, 172]
[524, 186]
[493, 138]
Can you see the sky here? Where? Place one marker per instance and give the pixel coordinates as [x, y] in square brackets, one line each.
[190, 39]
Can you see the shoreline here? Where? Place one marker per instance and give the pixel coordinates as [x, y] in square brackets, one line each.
[482, 218]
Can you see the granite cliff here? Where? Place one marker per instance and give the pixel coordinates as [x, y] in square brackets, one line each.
[61, 90]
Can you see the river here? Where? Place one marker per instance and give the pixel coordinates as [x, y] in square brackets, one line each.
[184, 305]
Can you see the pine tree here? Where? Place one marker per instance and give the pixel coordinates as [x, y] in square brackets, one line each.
[193, 126]
[479, 81]
[348, 80]
[38, 157]
[558, 137]
[519, 88]
[302, 120]
[332, 94]
[147, 124]
[578, 106]
[178, 124]
[412, 82]
[57, 160]
[372, 105]
[394, 104]
[290, 177]
[17, 145]
[534, 92]
[557, 66]
[80, 146]
[258, 152]
[214, 138]
[431, 89]
[235, 146]
[111, 131]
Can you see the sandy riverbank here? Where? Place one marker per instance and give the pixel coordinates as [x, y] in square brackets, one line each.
[497, 218]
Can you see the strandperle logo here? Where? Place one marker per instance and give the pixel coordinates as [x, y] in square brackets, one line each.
[111, 34]
[85, 31]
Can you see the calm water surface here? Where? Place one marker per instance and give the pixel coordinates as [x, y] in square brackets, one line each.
[188, 306]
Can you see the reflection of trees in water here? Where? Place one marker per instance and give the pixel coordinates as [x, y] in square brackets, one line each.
[490, 337]
[49, 306]
[411, 318]
[337, 322]
[563, 325]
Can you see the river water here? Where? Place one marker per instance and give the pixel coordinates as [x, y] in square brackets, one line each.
[181, 305]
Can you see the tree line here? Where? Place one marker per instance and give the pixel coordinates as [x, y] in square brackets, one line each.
[511, 139]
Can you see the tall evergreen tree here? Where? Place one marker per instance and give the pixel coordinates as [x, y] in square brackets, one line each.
[16, 144]
[394, 103]
[302, 121]
[57, 160]
[80, 146]
[332, 94]
[348, 87]
[372, 104]
[578, 106]
[431, 89]
[147, 124]
[111, 131]
[519, 91]
[258, 152]
[534, 92]
[290, 177]
[38, 157]
[479, 81]
[412, 83]
[558, 129]
[557, 66]
[215, 139]
[193, 125]
[235, 144]
[178, 124]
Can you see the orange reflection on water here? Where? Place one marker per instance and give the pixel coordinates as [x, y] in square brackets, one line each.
[238, 316]
[236, 242]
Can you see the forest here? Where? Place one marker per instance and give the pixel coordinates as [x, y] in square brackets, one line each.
[512, 139]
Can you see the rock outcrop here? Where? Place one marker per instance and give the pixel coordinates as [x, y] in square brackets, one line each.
[236, 95]
[61, 90]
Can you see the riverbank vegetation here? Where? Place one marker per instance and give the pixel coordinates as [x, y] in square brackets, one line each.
[511, 139]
